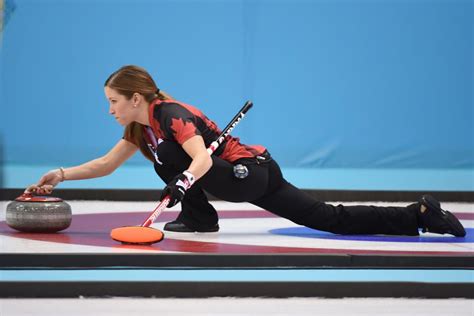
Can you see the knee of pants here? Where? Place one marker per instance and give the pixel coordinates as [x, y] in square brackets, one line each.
[171, 153]
[165, 173]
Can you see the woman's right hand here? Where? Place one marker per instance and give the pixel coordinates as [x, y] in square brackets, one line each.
[47, 182]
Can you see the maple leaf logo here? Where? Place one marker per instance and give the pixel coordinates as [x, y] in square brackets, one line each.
[182, 130]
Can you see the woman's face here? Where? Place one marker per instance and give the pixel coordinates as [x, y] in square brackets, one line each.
[120, 107]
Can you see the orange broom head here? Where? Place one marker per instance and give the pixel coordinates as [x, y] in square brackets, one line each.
[137, 235]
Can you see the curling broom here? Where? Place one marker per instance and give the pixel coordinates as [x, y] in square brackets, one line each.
[146, 235]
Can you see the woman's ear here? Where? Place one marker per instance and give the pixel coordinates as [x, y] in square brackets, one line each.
[136, 99]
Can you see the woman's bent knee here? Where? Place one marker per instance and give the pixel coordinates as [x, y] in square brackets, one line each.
[171, 153]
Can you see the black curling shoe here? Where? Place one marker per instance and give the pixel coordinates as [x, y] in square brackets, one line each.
[437, 220]
[178, 227]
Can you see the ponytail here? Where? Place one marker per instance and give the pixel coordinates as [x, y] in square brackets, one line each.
[163, 95]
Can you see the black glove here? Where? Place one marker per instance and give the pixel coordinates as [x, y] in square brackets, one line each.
[177, 187]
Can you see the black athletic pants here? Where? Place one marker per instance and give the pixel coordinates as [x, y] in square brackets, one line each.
[266, 188]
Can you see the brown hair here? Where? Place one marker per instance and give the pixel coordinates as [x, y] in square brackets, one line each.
[127, 81]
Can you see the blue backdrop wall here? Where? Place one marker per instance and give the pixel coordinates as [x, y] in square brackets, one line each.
[336, 84]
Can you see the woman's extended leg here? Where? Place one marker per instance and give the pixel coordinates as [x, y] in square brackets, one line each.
[287, 201]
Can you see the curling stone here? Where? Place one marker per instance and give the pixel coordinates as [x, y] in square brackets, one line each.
[38, 214]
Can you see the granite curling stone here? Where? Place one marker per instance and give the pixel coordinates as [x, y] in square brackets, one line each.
[38, 214]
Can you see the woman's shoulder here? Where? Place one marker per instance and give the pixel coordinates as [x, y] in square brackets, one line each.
[174, 108]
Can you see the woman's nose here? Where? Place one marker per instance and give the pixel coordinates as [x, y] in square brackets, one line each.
[111, 110]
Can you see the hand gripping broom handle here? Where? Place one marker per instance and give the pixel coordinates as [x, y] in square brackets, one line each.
[212, 148]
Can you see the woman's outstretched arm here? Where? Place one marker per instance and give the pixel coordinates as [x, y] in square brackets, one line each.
[99, 167]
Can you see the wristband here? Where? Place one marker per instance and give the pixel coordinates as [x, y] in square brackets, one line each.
[190, 177]
[63, 177]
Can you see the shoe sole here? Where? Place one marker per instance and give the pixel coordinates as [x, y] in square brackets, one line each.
[191, 231]
[207, 231]
[453, 222]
